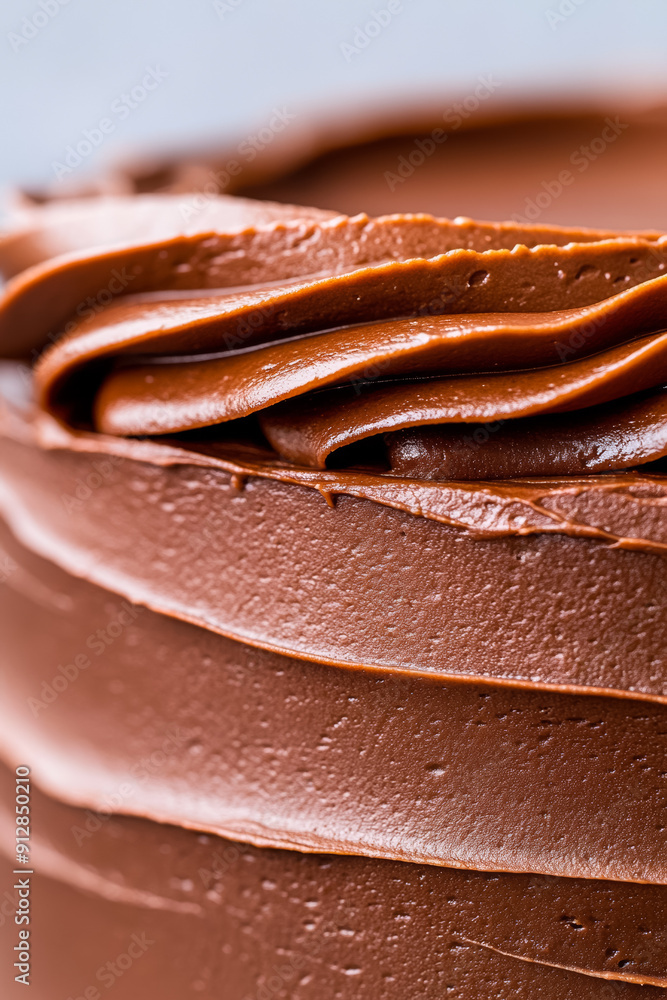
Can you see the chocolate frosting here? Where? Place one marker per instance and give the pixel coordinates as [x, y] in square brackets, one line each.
[487, 167]
[432, 323]
[253, 562]
[223, 918]
[383, 764]
[358, 525]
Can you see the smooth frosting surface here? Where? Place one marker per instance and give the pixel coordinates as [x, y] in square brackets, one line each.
[414, 337]
[218, 918]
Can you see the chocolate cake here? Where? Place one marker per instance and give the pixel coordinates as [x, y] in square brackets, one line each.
[334, 586]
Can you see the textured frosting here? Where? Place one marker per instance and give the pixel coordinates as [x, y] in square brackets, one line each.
[277, 751]
[227, 375]
[541, 599]
[357, 526]
[225, 919]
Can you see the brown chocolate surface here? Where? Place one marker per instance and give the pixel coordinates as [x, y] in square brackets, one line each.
[37, 234]
[308, 433]
[615, 162]
[329, 331]
[555, 445]
[219, 918]
[158, 398]
[213, 734]
[216, 250]
[573, 297]
[439, 658]
[273, 564]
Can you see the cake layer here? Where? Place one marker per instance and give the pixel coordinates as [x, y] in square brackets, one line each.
[437, 687]
[531, 583]
[421, 678]
[199, 915]
[119, 707]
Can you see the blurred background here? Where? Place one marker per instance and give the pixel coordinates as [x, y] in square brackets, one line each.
[262, 87]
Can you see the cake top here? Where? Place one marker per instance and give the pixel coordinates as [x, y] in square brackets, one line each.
[421, 347]
[504, 377]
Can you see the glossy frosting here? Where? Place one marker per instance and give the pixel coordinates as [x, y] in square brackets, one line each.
[477, 334]
[214, 918]
[359, 524]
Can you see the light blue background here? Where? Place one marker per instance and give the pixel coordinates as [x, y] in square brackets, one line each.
[227, 69]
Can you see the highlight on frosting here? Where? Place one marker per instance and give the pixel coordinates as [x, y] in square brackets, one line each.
[413, 346]
[442, 698]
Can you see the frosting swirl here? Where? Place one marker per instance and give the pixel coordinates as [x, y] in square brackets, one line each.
[406, 344]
